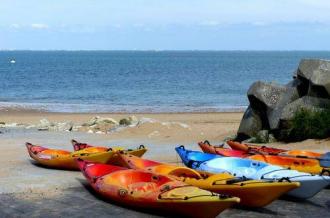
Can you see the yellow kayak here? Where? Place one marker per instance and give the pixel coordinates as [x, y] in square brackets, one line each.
[253, 193]
[63, 159]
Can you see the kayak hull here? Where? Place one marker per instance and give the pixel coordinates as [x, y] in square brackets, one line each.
[252, 193]
[253, 148]
[200, 207]
[309, 184]
[309, 187]
[61, 159]
[301, 164]
[146, 190]
[207, 148]
[272, 151]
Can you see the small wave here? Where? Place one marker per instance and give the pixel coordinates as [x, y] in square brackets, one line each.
[103, 108]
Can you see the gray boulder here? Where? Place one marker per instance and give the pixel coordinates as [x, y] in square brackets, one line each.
[250, 124]
[272, 106]
[267, 94]
[293, 83]
[44, 123]
[285, 98]
[134, 120]
[66, 126]
[308, 67]
[306, 102]
[100, 120]
[298, 85]
[268, 99]
[317, 73]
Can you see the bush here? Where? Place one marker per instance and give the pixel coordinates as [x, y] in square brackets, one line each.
[308, 124]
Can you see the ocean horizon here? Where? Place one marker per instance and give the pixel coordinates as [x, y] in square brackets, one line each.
[140, 81]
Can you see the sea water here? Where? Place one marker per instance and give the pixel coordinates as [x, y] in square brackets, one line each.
[140, 81]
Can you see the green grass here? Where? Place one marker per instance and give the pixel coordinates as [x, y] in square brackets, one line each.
[308, 124]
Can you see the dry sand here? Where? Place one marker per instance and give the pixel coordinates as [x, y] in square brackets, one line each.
[171, 127]
[20, 177]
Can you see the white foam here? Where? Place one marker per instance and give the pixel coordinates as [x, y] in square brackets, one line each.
[104, 108]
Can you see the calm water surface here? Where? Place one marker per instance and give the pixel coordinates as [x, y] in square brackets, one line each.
[137, 81]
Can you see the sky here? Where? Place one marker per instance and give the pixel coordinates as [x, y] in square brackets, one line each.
[165, 24]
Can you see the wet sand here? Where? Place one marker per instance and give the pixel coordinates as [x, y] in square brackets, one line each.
[27, 189]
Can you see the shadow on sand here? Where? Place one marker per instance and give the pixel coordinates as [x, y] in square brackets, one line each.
[35, 163]
[260, 210]
[301, 201]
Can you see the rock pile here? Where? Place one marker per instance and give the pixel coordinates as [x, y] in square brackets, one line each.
[273, 105]
[105, 125]
[51, 126]
[100, 125]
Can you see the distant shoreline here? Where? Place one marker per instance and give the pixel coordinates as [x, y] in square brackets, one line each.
[36, 111]
[154, 50]
[106, 109]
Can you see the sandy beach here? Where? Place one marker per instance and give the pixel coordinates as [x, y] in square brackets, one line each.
[175, 128]
[160, 128]
[160, 137]
[24, 182]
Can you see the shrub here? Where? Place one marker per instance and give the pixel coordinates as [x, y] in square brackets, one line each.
[308, 124]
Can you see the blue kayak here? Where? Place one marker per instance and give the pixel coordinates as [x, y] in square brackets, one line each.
[251, 169]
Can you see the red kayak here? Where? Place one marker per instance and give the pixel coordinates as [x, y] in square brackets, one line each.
[146, 190]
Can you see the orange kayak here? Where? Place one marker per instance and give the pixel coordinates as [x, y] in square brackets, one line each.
[62, 159]
[213, 149]
[253, 193]
[147, 190]
[300, 164]
[271, 151]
